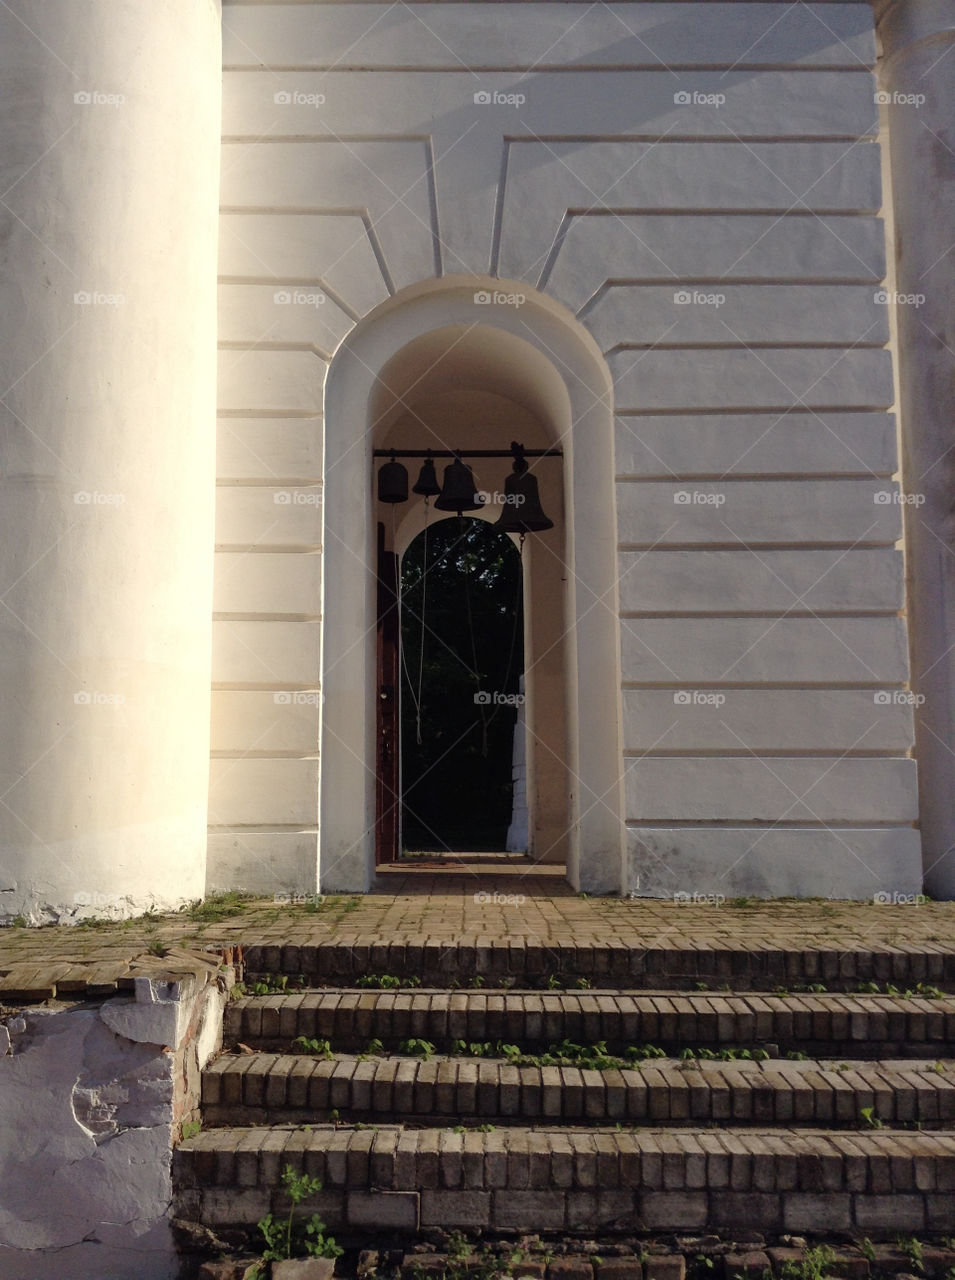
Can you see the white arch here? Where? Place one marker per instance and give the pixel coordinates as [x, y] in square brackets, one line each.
[566, 374]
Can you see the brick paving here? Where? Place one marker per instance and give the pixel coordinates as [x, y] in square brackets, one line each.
[265, 1088]
[519, 916]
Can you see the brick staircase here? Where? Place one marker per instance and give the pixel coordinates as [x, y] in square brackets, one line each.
[854, 1136]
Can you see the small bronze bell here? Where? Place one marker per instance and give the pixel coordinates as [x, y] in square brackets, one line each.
[427, 482]
[458, 492]
[522, 512]
[393, 482]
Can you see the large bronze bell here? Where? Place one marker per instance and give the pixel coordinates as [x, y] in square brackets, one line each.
[522, 512]
[458, 492]
[393, 482]
[427, 482]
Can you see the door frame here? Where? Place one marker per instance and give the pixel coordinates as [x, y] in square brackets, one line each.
[562, 364]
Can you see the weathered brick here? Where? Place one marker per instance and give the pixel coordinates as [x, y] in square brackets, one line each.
[669, 1210]
[746, 1266]
[528, 1210]
[663, 1266]
[455, 1208]
[397, 1209]
[890, 1213]
[812, 1212]
[571, 1268]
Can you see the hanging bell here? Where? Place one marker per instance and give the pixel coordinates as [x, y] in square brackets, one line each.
[522, 512]
[393, 482]
[427, 482]
[458, 492]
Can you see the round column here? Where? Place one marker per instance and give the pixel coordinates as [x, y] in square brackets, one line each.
[917, 82]
[108, 207]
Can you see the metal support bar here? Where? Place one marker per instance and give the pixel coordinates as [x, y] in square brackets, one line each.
[465, 453]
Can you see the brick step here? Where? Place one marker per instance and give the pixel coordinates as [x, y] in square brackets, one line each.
[266, 1088]
[402, 1179]
[823, 1025]
[754, 962]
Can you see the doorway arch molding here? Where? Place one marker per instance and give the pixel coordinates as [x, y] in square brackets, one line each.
[565, 373]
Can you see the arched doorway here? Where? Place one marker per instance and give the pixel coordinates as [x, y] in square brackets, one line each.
[431, 360]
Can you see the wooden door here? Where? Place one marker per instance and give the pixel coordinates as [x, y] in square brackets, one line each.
[387, 792]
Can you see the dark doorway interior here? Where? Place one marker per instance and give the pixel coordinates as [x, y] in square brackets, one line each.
[462, 641]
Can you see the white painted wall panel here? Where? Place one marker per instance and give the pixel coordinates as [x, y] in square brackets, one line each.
[797, 104]
[547, 35]
[267, 721]
[702, 315]
[752, 511]
[744, 789]
[269, 449]
[799, 442]
[272, 583]
[704, 248]
[299, 315]
[260, 381]
[265, 653]
[846, 863]
[752, 379]
[823, 651]
[264, 862]
[744, 581]
[334, 250]
[269, 516]
[282, 792]
[669, 720]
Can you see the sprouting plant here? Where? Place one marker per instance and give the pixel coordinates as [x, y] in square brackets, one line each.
[912, 1248]
[320, 1048]
[582, 984]
[867, 1249]
[417, 1048]
[813, 1265]
[869, 1118]
[282, 1239]
[190, 1129]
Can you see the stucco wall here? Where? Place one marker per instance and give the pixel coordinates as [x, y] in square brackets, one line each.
[699, 185]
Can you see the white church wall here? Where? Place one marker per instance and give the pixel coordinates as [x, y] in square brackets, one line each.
[717, 231]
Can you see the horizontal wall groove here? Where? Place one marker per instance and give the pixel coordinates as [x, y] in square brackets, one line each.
[266, 617]
[749, 477]
[836, 686]
[262, 755]
[700, 614]
[293, 415]
[250, 548]
[632, 411]
[789, 824]
[740, 544]
[766, 753]
[553, 68]
[263, 828]
[268, 482]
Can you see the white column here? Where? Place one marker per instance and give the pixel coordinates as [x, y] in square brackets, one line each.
[918, 79]
[108, 208]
